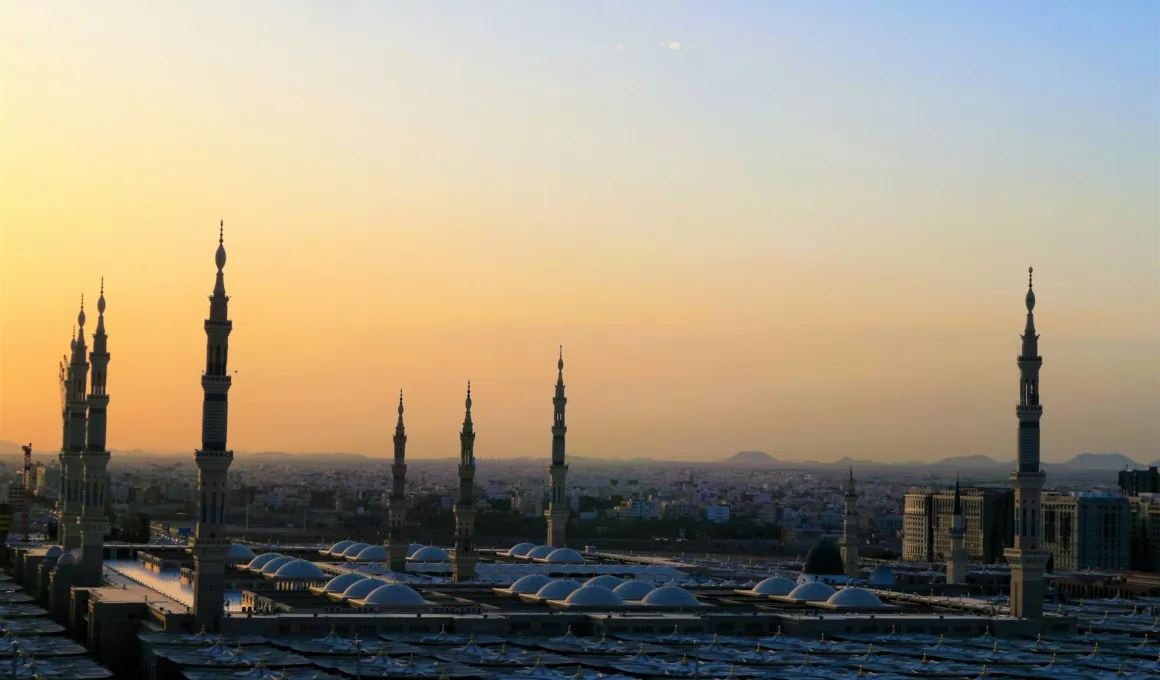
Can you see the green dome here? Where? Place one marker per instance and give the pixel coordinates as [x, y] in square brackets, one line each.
[824, 559]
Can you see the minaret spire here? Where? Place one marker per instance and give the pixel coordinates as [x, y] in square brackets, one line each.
[957, 564]
[850, 528]
[1028, 561]
[465, 558]
[558, 509]
[397, 542]
[72, 467]
[95, 459]
[210, 545]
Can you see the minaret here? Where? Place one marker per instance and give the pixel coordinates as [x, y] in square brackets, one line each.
[558, 503]
[850, 529]
[1026, 558]
[210, 545]
[397, 542]
[957, 564]
[464, 561]
[72, 469]
[95, 460]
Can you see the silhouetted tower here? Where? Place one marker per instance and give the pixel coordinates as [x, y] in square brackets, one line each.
[95, 459]
[396, 537]
[71, 465]
[850, 528]
[1026, 558]
[210, 545]
[957, 564]
[465, 558]
[558, 502]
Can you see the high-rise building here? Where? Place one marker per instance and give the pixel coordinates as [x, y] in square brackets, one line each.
[928, 517]
[1087, 531]
[558, 510]
[1027, 557]
[1138, 482]
[94, 524]
[465, 558]
[1145, 532]
[210, 546]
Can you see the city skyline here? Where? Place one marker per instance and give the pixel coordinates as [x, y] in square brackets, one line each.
[708, 303]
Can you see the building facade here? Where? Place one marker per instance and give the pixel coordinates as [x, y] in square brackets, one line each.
[1139, 482]
[928, 517]
[1087, 531]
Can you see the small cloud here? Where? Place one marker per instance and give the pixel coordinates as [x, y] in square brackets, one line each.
[674, 46]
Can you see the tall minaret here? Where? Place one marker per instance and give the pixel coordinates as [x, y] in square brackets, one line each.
[210, 545]
[850, 528]
[1026, 558]
[72, 469]
[465, 558]
[558, 503]
[397, 542]
[957, 564]
[95, 460]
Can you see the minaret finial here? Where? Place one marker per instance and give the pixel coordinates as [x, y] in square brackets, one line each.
[1030, 271]
[221, 232]
[81, 316]
[400, 404]
[469, 397]
[101, 301]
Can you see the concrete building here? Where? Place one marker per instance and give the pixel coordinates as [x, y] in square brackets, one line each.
[717, 514]
[1087, 531]
[928, 516]
[1139, 482]
[1145, 532]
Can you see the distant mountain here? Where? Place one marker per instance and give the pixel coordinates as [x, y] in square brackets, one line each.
[7, 447]
[975, 461]
[1101, 461]
[750, 459]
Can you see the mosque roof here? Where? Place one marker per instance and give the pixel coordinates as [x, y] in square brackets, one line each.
[337, 548]
[824, 559]
[261, 560]
[564, 556]
[593, 596]
[774, 585]
[607, 580]
[539, 552]
[360, 589]
[530, 584]
[815, 591]
[373, 553]
[240, 553]
[557, 590]
[341, 583]
[298, 569]
[855, 598]
[671, 596]
[520, 549]
[633, 589]
[394, 594]
[272, 566]
[430, 553]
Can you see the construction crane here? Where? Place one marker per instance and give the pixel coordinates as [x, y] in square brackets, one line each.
[27, 489]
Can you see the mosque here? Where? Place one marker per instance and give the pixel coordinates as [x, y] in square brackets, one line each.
[215, 607]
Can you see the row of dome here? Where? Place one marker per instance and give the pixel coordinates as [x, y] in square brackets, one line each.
[816, 591]
[545, 553]
[603, 591]
[369, 590]
[365, 552]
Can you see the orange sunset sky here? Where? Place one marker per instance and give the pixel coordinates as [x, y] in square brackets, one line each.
[797, 228]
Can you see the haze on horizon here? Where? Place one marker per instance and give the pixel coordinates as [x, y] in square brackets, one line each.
[797, 228]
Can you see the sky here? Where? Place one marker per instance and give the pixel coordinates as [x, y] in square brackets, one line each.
[802, 228]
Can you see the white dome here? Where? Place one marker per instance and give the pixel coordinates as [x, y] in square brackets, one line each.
[240, 553]
[341, 583]
[394, 594]
[633, 590]
[607, 581]
[558, 590]
[854, 598]
[67, 560]
[530, 584]
[373, 553]
[359, 590]
[671, 596]
[337, 548]
[299, 569]
[539, 552]
[354, 549]
[52, 552]
[430, 553]
[814, 591]
[881, 575]
[275, 564]
[594, 596]
[520, 549]
[564, 556]
[262, 560]
[774, 585]
[414, 548]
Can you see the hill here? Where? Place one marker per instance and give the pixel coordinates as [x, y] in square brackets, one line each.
[1101, 461]
[750, 459]
[975, 461]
